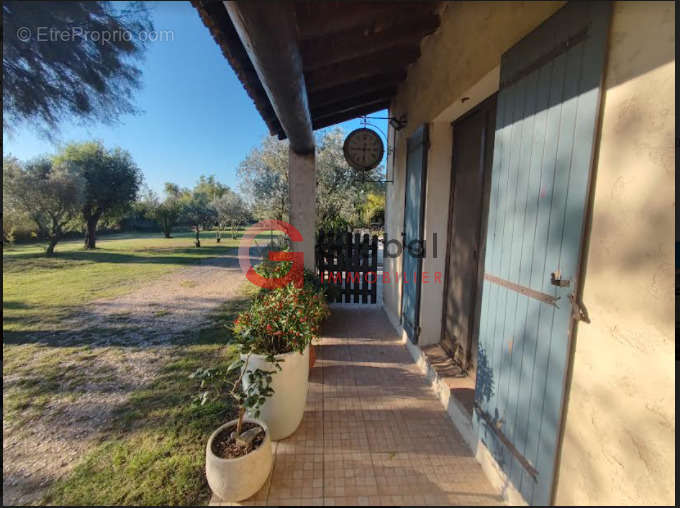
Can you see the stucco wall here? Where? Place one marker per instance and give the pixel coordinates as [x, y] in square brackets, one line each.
[450, 67]
[619, 432]
[619, 441]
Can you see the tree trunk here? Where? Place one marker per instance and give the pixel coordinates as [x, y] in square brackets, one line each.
[49, 251]
[167, 234]
[90, 237]
[198, 241]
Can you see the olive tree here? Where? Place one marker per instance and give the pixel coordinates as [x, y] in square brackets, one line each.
[232, 211]
[13, 216]
[341, 192]
[199, 212]
[112, 180]
[264, 179]
[171, 210]
[167, 214]
[51, 194]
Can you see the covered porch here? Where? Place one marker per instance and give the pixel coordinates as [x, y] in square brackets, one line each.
[309, 65]
[374, 432]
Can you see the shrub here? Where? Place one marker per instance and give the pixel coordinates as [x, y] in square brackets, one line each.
[278, 269]
[280, 321]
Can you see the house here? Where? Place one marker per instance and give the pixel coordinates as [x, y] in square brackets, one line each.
[538, 150]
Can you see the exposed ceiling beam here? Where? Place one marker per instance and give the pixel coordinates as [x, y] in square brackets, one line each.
[269, 35]
[316, 19]
[366, 40]
[325, 121]
[351, 70]
[355, 88]
[354, 102]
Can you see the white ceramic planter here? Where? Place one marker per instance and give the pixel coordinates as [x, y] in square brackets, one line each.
[283, 411]
[237, 479]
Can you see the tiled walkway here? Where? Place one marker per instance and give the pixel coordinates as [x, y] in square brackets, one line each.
[374, 432]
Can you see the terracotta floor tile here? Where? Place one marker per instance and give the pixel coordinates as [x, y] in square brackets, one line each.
[374, 432]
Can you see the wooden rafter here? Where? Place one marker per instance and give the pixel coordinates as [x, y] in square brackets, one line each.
[329, 62]
[389, 60]
[344, 104]
[355, 88]
[325, 121]
[324, 19]
[360, 42]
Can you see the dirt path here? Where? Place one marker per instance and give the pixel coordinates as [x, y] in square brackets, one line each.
[130, 337]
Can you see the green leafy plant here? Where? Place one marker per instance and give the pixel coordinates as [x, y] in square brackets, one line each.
[280, 321]
[312, 282]
[216, 382]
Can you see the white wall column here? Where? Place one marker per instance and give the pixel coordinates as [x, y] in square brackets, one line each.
[302, 193]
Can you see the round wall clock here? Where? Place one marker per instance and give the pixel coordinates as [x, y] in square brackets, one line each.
[363, 149]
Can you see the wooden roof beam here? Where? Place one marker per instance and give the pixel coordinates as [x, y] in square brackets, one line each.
[318, 19]
[344, 104]
[362, 41]
[352, 70]
[269, 35]
[349, 114]
[355, 88]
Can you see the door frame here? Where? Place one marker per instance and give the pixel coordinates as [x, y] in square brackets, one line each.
[481, 232]
[424, 133]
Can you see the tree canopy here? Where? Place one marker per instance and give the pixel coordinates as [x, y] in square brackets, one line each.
[90, 72]
[231, 210]
[112, 180]
[51, 194]
[340, 194]
[168, 212]
[198, 211]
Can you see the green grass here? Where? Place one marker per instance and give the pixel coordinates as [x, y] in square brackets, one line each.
[155, 452]
[32, 376]
[152, 451]
[40, 292]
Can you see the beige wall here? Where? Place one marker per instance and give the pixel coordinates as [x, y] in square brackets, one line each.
[450, 68]
[619, 441]
[619, 433]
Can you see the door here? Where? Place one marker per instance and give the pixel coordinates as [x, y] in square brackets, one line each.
[414, 244]
[471, 169]
[548, 106]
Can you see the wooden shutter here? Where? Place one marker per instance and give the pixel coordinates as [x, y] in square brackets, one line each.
[414, 212]
[548, 106]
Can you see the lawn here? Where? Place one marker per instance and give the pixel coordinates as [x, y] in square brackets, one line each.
[40, 292]
[155, 452]
[152, 449]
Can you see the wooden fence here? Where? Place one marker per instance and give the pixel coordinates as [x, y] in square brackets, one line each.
[350, 263]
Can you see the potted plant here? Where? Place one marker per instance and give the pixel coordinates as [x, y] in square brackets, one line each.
[330, 291]
[238, 457]
[275, 333]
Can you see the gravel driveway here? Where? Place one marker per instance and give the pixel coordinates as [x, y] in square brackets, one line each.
[129, 338]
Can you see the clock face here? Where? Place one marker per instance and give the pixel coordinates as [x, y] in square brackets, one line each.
[363, 149]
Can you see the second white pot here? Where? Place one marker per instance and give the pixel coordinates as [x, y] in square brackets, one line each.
[283, 411]
[239, 478]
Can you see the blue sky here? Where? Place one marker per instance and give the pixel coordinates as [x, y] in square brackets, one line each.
[196, 117]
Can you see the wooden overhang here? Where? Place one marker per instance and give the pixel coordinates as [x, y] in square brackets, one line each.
[353, 54]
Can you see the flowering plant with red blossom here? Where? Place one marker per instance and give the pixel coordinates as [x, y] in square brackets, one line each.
[281, 320]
